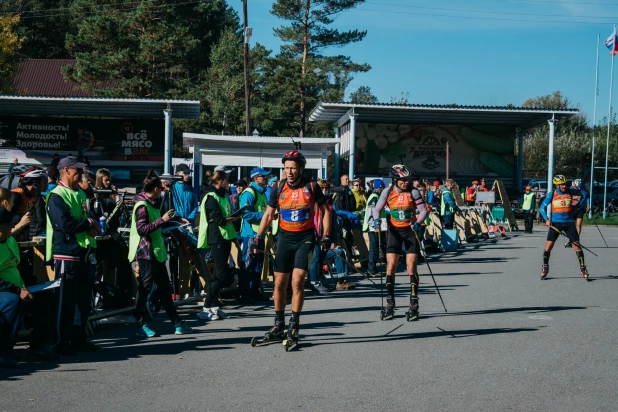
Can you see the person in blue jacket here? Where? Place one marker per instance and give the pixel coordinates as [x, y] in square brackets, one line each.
[562, 220]
[254, 198]
[183, 197]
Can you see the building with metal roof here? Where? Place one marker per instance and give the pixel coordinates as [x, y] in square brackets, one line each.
[481, 139]
[43, 77]
[247, 152]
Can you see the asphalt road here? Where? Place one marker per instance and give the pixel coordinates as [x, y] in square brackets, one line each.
[509, 342]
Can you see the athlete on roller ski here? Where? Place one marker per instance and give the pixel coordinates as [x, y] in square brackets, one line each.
[403, 202]
[562, 221]
[296, 198]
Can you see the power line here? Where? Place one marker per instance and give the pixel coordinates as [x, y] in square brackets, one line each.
[492, 12]
[484, 18]
[567, 2]
[105, 7]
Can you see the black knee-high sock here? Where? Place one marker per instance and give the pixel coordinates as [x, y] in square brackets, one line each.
[546, 257]
[414, 286]
[390, 286]
[295, 318]
[580, 257]
[279, 316]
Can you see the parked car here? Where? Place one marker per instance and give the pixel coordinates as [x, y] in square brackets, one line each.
[613, 183]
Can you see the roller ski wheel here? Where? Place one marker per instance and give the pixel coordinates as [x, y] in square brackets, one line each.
[585, 274]
[544, 271]
[276, 334]
[389, 311]
[412, 314]
[291, 341]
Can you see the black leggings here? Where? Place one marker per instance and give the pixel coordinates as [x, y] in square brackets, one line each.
[153, 272]
[220, 253]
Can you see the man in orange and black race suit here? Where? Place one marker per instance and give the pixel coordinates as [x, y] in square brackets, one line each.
[296, 199]
[403, 226]
[562, 220]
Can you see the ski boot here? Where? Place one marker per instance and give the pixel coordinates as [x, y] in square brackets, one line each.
[291, 342]
[275, 334]
[544, 271]
[412, 313]
[389, 311]
[585, 274]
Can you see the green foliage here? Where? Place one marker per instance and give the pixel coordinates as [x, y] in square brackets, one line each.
[304, 75]
[556, 100]
[154, 48]
[10, 42]
[43, 26]
[401, 100]
[363, 95]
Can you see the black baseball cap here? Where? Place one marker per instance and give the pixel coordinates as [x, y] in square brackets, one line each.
[71, 161]
[182, 167]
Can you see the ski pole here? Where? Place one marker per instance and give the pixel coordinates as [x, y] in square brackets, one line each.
[381, 266]
[422, 246]
[577, 243]
[602, 237]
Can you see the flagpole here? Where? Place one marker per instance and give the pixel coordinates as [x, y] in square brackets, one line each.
[594, 125]
[609, 123]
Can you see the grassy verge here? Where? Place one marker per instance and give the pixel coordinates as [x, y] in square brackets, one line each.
[611, 220]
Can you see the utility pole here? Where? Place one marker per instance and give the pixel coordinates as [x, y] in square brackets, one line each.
[248, 32]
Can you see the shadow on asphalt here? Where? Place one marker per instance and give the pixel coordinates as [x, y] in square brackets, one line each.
[466, 333]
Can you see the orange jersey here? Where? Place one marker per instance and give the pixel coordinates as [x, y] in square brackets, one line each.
[297, 207]
[27, 202]
[561, 203]
[403, 209]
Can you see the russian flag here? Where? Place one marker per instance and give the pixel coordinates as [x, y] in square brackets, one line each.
[612, 43]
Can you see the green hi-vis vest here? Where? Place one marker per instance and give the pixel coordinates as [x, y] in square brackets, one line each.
[259, 206]
[9, 259]
[76, 200]
[443, 206]
[528, 199]
[156, 238]
[368, 214]
[228, 232]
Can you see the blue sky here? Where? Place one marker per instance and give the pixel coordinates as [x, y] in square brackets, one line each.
[509, 51]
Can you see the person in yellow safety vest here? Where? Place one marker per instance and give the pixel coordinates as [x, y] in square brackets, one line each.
[216, 233]
[528, 208]
[368, 225]
[71, 244]
[254, 199]
[147, 247]
[357, 191]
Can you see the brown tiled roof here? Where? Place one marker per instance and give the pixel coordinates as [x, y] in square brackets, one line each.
[43, 77]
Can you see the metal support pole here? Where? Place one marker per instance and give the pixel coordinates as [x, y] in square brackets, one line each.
[520, 159]
[447, 159]
[167, 162]
[550, 160]
[246, 66]
[337, 153]
[352, 145]
[594, 131]
[609, 124]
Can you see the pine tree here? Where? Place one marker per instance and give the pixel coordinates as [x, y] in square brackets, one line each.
[363, 95]
[9, 44]
[154, 48]
[311, 75]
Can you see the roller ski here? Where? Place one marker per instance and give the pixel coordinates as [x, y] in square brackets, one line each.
[291, 341]
[389, 311]
[276, 334]
[544, 271]
[585, 274]
[412, 314]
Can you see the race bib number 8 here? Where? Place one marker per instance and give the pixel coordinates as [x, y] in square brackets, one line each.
[400, 214]
[301, 215]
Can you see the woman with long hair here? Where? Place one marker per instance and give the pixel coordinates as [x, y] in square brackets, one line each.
[217, 232]
[147, 247]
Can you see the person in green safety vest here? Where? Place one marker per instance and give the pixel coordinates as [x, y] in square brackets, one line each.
[447, 205]
[147, 247]
[374, 250]
[216, 233]
[528, 208]
[254, 198]
[71, 244]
